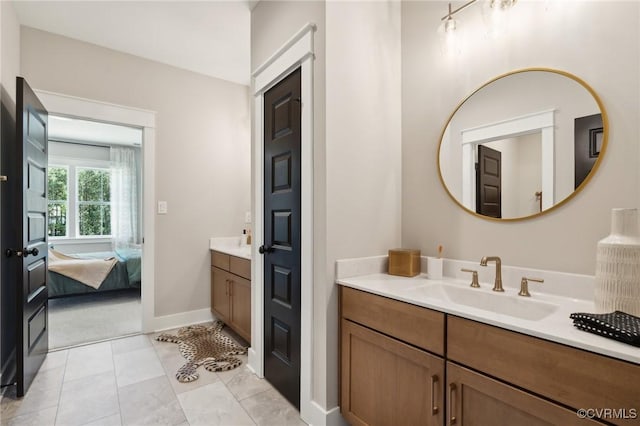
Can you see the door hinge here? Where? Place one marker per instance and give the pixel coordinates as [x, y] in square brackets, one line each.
[3, 178]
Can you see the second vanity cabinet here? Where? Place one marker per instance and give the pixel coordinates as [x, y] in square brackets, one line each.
[231, 292]
[395, 357]
[386, 381]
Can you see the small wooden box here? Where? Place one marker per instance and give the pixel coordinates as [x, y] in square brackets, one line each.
[404, 262]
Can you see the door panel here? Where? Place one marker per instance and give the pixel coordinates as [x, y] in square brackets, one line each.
[32, 339]
[36, 275]
[282, 237]
[489, 182]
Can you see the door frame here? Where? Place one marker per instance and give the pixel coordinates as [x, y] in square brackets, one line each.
[542, 121]
[296, 52]
[59, 104]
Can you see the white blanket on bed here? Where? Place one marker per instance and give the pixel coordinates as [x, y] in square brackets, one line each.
[91, 272]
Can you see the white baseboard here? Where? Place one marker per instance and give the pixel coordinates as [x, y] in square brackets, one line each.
[318, 416]
[182, 319]
[253, 362]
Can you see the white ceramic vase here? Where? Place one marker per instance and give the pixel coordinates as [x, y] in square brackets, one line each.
[617, 285]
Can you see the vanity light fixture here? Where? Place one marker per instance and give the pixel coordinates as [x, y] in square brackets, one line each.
[450, 24]
[501, 4]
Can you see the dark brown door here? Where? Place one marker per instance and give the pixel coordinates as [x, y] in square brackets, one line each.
[588, 135]
[489, 182]
[27, 253]
[282, 237]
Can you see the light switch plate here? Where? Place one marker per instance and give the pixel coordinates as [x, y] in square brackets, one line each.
[162, 207]
[247, 217]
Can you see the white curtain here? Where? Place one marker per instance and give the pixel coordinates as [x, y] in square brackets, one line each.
[125, 205]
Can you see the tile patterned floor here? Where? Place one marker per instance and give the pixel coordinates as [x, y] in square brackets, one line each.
[131, 381]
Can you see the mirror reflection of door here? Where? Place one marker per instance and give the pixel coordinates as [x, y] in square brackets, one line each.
[521, 175]
[588, 135]
[489, 182]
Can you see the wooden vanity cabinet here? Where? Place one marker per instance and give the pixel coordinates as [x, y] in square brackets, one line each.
[384, 380]
[231, 292]
[393, 363]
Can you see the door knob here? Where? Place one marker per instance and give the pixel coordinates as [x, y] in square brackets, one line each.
[265, 249]
[11, 252]
[21, 253]
[26, 252]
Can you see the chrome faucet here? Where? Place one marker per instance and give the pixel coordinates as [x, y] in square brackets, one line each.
[497, 286]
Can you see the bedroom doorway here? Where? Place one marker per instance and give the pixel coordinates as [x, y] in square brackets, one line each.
[95, 231]
[91, 111]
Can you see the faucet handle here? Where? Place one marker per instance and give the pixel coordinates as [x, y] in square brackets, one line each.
[524, 285]
[474, 277]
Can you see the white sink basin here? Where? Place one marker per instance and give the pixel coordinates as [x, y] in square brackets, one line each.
[499, 303]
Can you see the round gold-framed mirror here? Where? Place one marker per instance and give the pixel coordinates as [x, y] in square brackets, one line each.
[522, 144]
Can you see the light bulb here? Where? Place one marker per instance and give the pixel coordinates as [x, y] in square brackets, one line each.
[450, 25]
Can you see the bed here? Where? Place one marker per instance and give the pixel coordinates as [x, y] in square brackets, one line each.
[125, 274]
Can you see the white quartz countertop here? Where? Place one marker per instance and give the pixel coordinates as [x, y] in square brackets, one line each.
[231, 245]
[556, 327]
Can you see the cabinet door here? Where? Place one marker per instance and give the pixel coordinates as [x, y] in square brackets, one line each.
[475, 399]
[241, 306]
[220, 293]
[387, 382]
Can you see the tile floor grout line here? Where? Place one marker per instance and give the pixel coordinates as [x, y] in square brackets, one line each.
[95, 342]
[115, 376]
[240, 402]
[64, 373]
[257, 393]
[173, 389]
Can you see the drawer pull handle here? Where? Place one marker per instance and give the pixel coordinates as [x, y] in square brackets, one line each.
[434, 406]
[452, 410]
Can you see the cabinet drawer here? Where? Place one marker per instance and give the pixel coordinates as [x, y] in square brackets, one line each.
[220, 260]
[571, 376]
[239, 266]
[412, 324]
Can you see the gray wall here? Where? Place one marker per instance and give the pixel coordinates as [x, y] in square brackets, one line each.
[433, 84]
[202, 163]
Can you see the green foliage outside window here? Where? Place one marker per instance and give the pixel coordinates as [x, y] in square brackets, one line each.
[94, 207]
[58, 190]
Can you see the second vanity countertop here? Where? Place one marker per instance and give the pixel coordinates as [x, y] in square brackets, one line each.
[231, 245]
[556, 327]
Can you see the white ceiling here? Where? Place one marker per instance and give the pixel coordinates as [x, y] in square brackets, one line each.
[209, 37]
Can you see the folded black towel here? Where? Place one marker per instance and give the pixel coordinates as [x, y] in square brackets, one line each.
[616, 325]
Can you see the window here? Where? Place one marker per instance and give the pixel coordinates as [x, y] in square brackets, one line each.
[58, 200]
[94, 206]
[79, 201]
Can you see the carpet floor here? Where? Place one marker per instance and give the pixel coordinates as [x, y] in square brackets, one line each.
[93, 317]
